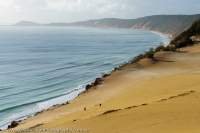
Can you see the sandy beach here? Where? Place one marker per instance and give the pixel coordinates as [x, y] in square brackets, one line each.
[145, 97]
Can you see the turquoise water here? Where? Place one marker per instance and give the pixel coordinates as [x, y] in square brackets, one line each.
[44, 66]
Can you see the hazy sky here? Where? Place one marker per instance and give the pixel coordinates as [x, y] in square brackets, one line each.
[45, 11]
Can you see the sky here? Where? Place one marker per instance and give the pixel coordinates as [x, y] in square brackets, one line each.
[46, 11]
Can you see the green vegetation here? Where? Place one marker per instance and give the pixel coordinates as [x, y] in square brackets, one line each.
[160, 48]
[150, 54]
[137, 58]
[170, 48]
[184, 39]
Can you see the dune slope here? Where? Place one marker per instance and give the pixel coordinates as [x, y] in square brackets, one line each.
[147, 97]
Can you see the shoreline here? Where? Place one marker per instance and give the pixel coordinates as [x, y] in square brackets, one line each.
[118, 109]
[96, 82]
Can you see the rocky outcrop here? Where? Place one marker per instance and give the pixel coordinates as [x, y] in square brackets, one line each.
[13, 124]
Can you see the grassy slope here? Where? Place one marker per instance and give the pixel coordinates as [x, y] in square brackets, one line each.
[185, 38]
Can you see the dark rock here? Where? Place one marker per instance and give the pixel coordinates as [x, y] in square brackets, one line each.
[95, 83]
[98, 81]
[106, 75]
[116, 69]
[137, 58]
[13, 124]
[88, 87]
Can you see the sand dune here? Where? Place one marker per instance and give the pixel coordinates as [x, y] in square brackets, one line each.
[146, 97]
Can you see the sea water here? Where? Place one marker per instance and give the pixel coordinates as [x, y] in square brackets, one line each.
[44, 66]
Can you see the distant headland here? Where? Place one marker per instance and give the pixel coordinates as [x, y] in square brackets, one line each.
[167, 24]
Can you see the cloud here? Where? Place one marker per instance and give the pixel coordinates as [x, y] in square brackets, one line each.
[6, 3]
[74, 10]
[58, 4]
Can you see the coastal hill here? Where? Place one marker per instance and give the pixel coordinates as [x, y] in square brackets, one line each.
[27, 23]
[168, 24]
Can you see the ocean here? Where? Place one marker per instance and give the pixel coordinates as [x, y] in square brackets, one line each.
[44, 66]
